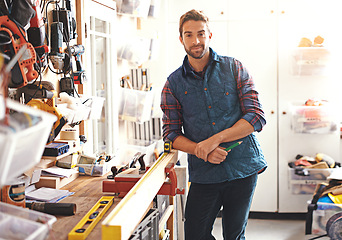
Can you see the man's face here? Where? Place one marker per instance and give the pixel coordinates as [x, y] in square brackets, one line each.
[196, 38]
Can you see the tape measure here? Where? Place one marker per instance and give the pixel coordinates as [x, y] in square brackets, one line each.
[91, 219]
[167, 146]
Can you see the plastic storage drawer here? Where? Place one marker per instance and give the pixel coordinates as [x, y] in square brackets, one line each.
[21, 223]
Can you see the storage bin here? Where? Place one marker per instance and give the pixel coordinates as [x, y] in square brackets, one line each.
[310, 61]
[307, 188]
[135, 50]
[95, 104]
[306, 181]
[137, 8]
[133, 146]
[136, 105]
[22, 150]
[321, 216]
[310, 174]
[313, 119]
[19, 223]
[96, 169]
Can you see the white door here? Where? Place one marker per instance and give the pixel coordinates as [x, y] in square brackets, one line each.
[101, 69]
[252, 39]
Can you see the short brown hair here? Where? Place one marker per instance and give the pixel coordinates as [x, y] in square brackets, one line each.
[195, 15]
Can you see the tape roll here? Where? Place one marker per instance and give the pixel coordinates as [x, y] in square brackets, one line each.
[69, 134]
[334, 226]
[13, 194]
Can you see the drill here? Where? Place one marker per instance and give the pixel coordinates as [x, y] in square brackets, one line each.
[36, 35]
[76, 51]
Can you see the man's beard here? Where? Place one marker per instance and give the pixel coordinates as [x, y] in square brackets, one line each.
[197, 54]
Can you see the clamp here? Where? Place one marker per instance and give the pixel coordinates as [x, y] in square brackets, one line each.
[124, 181]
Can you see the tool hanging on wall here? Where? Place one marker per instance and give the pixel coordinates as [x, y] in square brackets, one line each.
[89, 221]
[36, 35]
[56, 54]
[66, 16]
[13, 38]
[77, 50]
[63, 30]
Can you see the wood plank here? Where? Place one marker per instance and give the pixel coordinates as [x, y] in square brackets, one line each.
[163, 220]
[171, 219]
[117, 225]
[55, 182]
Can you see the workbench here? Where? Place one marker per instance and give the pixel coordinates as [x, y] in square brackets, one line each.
[87, 191]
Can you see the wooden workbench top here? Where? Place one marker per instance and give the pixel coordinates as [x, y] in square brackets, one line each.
[87, 191]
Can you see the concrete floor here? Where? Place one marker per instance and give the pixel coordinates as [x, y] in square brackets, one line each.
[271, 229]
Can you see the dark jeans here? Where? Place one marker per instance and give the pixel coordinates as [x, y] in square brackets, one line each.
[205, 201]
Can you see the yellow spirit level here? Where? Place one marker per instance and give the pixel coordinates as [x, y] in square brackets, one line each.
[89, 221]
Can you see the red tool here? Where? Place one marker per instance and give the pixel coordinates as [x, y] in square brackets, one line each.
[124, 182]
[23, 71]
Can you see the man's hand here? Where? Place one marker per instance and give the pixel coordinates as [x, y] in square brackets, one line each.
[204, 148]
[218, 155]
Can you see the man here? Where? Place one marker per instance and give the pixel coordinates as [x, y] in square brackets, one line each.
[210, 103]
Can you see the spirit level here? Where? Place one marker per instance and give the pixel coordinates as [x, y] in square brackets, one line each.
[89, 221]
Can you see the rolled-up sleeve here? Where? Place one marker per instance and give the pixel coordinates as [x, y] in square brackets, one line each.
[172, 117]
[249, 98]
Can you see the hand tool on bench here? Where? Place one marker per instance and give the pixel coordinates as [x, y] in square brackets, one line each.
[124, 181]
[137, 157]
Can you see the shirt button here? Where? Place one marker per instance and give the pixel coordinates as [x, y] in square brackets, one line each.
[213, 123]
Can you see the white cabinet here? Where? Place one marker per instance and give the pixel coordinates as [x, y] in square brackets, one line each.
[215, 10]
[304, 73]
[267, 45]
[264, 35]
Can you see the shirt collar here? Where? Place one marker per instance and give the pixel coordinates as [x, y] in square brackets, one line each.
[213, 57]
